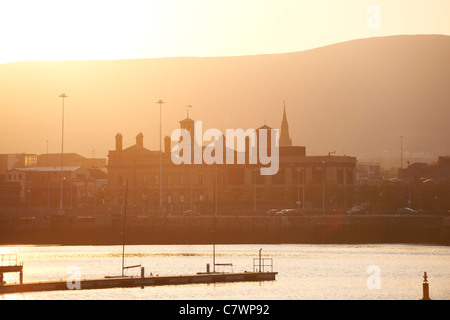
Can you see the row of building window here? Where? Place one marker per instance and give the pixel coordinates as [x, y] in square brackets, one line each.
[14, 176]
[237, 177]
[169, 179]
[50, 176]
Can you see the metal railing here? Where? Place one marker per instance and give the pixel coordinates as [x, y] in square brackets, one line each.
[259, 265]
[224, 265]
[8, 259]
[260, 262]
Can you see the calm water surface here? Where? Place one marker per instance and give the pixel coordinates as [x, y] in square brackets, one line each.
[305, 272]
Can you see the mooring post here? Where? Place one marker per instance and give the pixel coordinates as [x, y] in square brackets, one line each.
[21, 276]
[425, 288]
[1, 278]
[142, 272]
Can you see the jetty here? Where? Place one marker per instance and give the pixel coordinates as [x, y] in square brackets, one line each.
[9, 263]
[128, 282]
[262, 271]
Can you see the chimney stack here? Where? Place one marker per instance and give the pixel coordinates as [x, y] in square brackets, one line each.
[140, 140]
[119, 142]
[167, 144]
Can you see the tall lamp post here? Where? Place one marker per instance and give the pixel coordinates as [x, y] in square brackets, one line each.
[409, 188]
[214, 217]
[61, 210]
[254, 172]
[160, 102]
[401, 157]
[323, 187]
[303, 189]
[48, 182]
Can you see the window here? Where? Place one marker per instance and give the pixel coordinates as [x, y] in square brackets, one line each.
[30, 160]
[236, 176]
[258, 178]
[318, 175]
[278, 178]
[340, 175]
[349, 175]
[298, 174]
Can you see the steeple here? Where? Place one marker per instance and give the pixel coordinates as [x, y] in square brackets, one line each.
[285, 140]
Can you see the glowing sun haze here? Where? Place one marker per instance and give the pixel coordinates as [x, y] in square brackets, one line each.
[106, 97]
[110, 29]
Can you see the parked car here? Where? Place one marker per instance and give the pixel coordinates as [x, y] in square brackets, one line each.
[190, 213]
[272, 212]
[407, 211]
[357, 210]
[289, 212]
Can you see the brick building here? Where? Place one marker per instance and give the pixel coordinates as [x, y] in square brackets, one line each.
[322, 180]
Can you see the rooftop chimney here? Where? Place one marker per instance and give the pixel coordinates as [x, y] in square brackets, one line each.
[167, 144]
[140, 140]
[119, 142]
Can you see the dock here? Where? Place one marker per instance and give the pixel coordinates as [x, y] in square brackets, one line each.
[129, 282]
[9, 263]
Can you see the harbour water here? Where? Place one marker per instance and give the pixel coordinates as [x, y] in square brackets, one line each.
[305, 272]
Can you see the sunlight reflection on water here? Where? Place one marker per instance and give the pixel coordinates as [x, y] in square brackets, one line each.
[304, 271]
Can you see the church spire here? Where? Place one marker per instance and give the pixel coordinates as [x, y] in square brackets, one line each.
[285, 140]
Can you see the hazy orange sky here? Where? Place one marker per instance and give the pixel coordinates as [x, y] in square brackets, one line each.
[111, 29]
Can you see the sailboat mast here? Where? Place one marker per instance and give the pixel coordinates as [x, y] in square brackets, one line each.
[214, 222]
[124, 226]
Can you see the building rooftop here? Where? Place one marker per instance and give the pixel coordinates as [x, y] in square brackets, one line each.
[47, 169]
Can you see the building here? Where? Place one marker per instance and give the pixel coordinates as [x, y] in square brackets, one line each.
[435, 172]
[69, 160]
[35, 180]
[314, 183]
[20, 160]
[368, 173]
[40, 187]
[9, 193]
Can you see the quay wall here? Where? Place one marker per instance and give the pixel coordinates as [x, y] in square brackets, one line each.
[102, 230]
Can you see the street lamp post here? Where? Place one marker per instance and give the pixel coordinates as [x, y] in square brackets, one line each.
[298, 189]
[254, 171]
[409, 188]
[48, 182]
[323, 187]
[214, 217]
[61, 210]
[401, 157]
[160, 102]
[303, 189]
